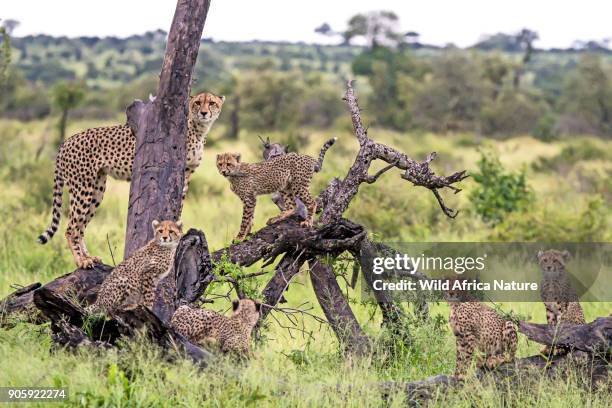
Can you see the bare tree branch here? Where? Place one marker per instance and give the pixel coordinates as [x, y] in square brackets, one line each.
[418, 173]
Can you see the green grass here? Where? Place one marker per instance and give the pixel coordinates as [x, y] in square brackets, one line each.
[288, 369]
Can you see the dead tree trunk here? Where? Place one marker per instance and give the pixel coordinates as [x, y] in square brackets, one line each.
[159, 160]
[337, 309]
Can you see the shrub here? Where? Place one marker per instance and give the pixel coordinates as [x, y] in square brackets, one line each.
[544, 225]
[499, 192]
[570, 155]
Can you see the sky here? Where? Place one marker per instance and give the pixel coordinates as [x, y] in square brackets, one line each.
[462, 22]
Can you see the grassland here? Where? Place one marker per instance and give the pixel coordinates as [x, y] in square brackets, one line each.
[290, 369]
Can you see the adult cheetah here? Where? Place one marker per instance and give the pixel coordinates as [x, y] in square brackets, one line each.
[86, 159]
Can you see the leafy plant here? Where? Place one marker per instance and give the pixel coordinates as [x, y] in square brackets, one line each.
[499, 192]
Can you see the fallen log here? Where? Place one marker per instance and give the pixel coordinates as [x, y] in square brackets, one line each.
[82, 284]
[72, 327]
[591, 342]
[594, 337]
[593, 372]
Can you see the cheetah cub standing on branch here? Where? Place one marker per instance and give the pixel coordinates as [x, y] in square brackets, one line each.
[231, 334]
[477, 327]
[290, 174]
[134, 280]
[86, 159]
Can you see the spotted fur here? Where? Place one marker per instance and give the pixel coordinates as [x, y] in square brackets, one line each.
[230, 334]
[560, 298]
[134, 280]
[290, 174]
[478, 328]
[86, 159]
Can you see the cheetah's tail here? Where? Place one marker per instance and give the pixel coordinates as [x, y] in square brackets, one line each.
[327, 145]
[58, 187]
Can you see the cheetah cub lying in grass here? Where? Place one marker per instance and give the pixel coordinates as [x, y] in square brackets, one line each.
[85, 160]
[230, 334]
[477, 327]
[560, 298]
[290, 174]
[134, 280]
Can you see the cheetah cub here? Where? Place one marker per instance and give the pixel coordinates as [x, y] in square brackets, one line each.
[230, 334]
[560, 299]
[85, 160]
[477, 327]
[134, 280]
[290, 174]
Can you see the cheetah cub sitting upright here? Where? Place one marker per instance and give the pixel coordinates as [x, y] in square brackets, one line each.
[290, 174]
[477, 327]
[134, 280]
[230, 334]
[560, 298]
[85, 160]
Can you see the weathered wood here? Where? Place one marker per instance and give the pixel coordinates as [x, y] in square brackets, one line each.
[83, 284]
[71, 327]
[594, 337]
[159, 160]
[418, 173]
[288, 236]
[286, 269]
[191, 274]
[337, 310]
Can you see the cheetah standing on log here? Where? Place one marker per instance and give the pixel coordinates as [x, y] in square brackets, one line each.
[290, 174]
[477, 327]
[231, 334]
[87, 158]
[134, 280]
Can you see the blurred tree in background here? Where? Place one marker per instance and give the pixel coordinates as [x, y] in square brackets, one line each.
[66, 96]
[5, 48]
[502, 86]
[586, 101]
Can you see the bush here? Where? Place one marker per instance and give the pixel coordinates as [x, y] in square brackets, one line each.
[541, 224]
[570, 155]
[499, 192]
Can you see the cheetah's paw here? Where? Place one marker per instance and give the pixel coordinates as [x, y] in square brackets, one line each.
[86, 262]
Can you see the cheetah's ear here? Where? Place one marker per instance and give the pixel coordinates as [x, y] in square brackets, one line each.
[257, 305]
[155, 223]
[222, 98]
[540, 253]
[179, 224]
[237, 156]
[566, 255]
[235, 304]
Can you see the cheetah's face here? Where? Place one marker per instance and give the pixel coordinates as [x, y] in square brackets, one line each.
[228, 164]
[249, 309]
[205, 108]
[553, 261]
[167, 233]
[455, 292]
